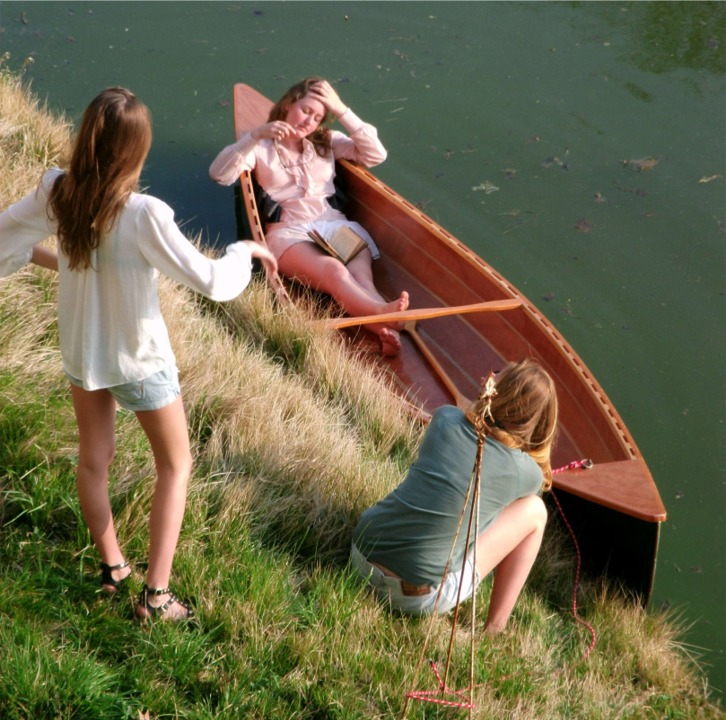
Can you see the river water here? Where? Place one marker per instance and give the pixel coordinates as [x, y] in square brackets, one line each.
[578, 147]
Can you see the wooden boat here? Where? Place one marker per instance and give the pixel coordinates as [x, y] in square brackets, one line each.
[614, 508]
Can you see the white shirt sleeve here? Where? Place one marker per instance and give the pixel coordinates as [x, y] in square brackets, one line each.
[22, 225]
[232, 160]
[363, 145]
[168, 250]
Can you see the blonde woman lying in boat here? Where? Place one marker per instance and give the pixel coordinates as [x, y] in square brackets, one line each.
[402, 544]
[293, 159]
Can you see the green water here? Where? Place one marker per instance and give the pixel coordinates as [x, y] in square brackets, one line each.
[543, 101]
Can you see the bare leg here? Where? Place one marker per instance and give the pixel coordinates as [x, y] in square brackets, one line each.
[361, 269]
[351, 287]
[510, 545]
[96, 418]
[168, 435]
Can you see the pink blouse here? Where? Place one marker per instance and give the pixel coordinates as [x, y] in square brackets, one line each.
[301, 185]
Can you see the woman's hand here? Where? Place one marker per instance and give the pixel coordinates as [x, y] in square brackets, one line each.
[277, 130]
[261, 252]
[324, 92]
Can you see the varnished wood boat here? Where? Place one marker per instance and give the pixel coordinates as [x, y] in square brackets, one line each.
[614, 508]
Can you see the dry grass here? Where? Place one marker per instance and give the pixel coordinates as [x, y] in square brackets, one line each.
[31, 139]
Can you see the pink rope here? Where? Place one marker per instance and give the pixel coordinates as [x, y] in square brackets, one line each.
[576, 465]
[429, 695]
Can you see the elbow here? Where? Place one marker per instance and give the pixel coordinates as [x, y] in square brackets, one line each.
[378, 158]
[219, 177]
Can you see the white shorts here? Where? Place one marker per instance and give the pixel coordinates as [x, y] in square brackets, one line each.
[388, 588]
[284, 237]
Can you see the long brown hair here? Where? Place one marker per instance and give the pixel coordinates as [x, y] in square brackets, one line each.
[521, 412]
[320, 138]
[108, 154]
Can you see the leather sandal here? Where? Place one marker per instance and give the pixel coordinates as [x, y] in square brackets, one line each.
[107, 578]
[145, 611]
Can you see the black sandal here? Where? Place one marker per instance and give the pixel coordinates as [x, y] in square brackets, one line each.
[158, 612]
[107, 577]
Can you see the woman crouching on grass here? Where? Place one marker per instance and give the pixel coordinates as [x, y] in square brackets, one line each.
[113, 242]
[402, 544]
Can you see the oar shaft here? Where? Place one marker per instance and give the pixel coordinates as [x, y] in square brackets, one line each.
[424, 313]
[460, 399]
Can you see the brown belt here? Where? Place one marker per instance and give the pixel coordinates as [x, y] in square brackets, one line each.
[415, 590]
[406, 587]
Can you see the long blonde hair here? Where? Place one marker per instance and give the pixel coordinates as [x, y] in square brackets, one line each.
[320, 138]
[520, 411]
[109, 151]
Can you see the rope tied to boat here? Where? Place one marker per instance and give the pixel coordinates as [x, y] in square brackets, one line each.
[584, 464]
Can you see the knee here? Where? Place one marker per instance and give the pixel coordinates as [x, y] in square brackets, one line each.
[335, 273]
[536, 512]
[97, 460]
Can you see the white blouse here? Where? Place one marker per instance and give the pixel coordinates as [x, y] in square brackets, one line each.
[109, 320]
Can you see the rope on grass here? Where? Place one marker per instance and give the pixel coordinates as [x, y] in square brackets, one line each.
[585, 464]
[430, 695]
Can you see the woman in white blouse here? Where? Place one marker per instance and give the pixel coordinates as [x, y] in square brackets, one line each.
[113, 243]
[293, 158]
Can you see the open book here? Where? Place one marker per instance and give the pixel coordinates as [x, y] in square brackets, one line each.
[344, 244]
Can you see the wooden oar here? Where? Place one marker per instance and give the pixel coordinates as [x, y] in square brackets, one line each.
[462, 402]
[423, 313]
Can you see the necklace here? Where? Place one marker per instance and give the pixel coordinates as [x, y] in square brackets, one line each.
[284, 155]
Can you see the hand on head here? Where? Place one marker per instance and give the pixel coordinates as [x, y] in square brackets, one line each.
[324, 92]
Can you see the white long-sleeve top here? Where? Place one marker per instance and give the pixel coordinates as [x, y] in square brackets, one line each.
[301, 185]
[109, 320]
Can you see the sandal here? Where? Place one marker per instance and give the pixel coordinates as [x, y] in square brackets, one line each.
[146, 611]
[107, 578]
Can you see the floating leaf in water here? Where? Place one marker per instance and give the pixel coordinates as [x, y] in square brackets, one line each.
[642, 164]
[553, 160]
[599, 197]
[583, 225]
[709, 179]
[487, 187]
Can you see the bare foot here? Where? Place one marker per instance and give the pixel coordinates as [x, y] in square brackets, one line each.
[390, 342]
[398, 305]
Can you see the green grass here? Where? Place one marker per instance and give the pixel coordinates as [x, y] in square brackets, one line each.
[292, 439]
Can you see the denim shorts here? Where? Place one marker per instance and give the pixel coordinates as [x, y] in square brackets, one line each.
[388, 588]
[151, 393]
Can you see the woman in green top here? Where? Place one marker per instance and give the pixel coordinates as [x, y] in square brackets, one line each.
[402, 544]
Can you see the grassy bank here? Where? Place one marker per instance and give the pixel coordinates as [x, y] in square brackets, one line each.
[292, 440]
